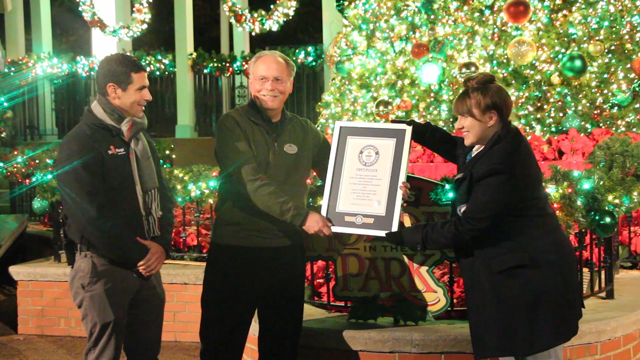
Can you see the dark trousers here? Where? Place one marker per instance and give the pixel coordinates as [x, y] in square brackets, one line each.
[240, 280]
[118, 308]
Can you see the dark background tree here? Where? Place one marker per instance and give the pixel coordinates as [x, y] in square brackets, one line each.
[72, 35]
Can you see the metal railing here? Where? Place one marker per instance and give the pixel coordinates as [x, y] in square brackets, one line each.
[72, 93]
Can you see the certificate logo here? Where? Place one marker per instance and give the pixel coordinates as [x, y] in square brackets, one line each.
[359, 220]
[369, 155]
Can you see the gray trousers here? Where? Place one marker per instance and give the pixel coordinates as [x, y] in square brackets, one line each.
[118, 308]
[555, 353]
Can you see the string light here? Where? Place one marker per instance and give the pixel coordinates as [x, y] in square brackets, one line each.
[139, 19]
[260, 21]
[375, 49]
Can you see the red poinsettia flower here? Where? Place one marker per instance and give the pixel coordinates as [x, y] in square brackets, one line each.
[634, 137]
[415, 156]
[542, 149]
[599, 135]
[575, 147]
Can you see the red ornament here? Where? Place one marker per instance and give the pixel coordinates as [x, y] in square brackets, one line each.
[239, 18]
[419, 50]
[517, 11]
[405, 104]
[635, 66]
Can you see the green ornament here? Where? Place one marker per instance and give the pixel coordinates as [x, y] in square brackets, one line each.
[40, 206]
[427, 7]
[342, 68]
[571, 121]
[622, 99]
[606, 222]
[574, 65]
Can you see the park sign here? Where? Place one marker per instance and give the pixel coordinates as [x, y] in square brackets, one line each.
[368, 267]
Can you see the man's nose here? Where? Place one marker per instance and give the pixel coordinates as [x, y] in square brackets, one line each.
[147, 95]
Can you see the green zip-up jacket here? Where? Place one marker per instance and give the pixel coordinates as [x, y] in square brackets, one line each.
[263, 189]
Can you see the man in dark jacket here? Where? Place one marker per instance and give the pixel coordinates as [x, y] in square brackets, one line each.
[256, 260]
[118, 210]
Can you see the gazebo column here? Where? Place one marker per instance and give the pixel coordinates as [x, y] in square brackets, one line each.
[331, 26]
[42, 41]
[184, 74]
[14, 30]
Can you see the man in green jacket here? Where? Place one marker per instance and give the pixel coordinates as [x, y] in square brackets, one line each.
[256, 260]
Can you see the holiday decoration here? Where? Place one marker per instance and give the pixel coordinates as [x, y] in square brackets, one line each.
[40, 206]
[419, 50]
[341, 68]
[378, 37]
[260, 21]
[405, 104]
[517, 11]
[383, 108]
[574, 65]
[139, 19]
[522, 51]
[635, 66]
[596, 48]
[467, 69]
[571, 121]
[430, 73]
[606, 222]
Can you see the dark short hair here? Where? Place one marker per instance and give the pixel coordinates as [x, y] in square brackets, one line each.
[482, 94]
[117, 69]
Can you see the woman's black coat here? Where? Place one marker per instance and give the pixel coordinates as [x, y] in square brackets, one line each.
[519, 268]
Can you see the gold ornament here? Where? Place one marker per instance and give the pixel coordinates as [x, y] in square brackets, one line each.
[467, 69]
[555, 79]
[522, 51]
[422, 106]
[596, 48]
[383, 108]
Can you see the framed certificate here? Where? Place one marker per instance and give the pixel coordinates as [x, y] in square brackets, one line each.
[367, 166]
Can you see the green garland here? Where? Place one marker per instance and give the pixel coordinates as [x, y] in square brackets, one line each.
[157, 63]
[139, 19]
[260, 21]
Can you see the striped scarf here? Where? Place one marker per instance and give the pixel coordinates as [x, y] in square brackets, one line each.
[144, 170]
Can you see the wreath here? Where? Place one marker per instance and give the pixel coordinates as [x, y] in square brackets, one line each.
[139, 19]
[260, 21]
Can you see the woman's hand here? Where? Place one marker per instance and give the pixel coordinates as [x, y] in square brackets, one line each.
[405, 190]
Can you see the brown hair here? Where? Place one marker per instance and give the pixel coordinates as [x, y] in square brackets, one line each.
[482, 93]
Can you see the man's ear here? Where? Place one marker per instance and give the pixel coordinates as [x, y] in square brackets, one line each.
[112, 90]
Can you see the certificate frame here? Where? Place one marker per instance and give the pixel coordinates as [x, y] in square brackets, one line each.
[367, 165]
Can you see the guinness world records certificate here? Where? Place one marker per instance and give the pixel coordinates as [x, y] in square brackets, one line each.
[367, 166]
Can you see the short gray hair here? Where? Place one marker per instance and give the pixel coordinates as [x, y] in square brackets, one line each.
[291, 66]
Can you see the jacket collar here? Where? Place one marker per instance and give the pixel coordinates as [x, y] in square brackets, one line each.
[91, 119]
[258, 116]
[496, 139]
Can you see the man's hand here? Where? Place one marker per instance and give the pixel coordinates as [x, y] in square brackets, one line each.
[317, 224]
[152, 263]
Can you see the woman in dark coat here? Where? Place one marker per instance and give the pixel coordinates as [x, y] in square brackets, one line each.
[519, 268]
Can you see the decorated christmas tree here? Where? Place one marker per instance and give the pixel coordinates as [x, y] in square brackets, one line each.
[567, 63]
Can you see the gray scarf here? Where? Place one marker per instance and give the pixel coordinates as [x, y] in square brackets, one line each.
[142, 164]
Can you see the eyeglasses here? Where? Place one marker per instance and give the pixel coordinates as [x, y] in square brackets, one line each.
[265, 80]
